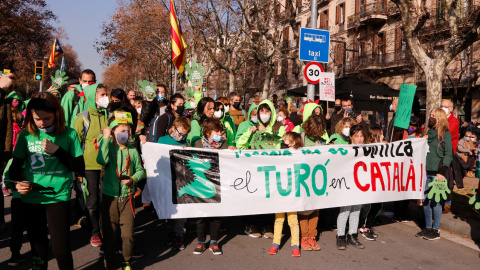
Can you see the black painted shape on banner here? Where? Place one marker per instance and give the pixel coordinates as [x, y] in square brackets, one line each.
[195, 177]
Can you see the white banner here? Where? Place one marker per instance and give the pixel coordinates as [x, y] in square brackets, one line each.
[192, 182]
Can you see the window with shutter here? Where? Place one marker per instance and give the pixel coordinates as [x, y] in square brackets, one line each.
[285, 37]
[337, 19]
[398, 42]
[357, 6]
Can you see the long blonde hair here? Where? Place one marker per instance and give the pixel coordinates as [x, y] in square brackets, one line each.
[442, 123]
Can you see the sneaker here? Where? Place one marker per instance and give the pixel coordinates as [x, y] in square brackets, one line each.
[295, 252]
[268, 232]
[170, 240]
[368, 235]
[353, 241]
[305, 244]
[313, 243]
[136, 254]
[273, 250]
[215, 248]
[341, 242]
[126, 266]
[137, 193]
[199, 249]
[432, 234]
[421, 233]
[179, 243]
[95, 241]
[446, 209]
[252, 231]
[5, 191]
[15, 260]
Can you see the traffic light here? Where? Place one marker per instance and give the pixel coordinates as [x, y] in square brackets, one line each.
[204, 85]
[38, 71]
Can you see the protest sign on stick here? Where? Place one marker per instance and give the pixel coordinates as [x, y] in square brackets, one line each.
[404, 107]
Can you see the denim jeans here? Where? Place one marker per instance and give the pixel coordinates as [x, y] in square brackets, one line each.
[431, 209]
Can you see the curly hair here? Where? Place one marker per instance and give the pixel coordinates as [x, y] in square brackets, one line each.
[341, 123]
[314, 126]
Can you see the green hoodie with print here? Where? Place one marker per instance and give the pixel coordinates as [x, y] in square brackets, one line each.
[247, 124]
[307, 112]
[243, 141]
[123, 159]
[96, 123]
[21, 106]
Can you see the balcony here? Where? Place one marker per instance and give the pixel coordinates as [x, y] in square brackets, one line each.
[437, 23]
[369, 14]
[380, 62]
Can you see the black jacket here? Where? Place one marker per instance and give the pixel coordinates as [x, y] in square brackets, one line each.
[149, 110]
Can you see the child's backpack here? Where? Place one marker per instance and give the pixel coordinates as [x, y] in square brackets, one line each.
[152, 133]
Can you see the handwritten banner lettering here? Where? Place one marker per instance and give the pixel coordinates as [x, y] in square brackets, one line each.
[191, 182]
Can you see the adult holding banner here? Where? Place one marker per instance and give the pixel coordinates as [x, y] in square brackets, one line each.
[439, 158]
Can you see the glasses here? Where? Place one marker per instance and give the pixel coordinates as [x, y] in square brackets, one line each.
[179, 133]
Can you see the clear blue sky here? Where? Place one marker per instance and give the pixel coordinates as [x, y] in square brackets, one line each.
[82, 20]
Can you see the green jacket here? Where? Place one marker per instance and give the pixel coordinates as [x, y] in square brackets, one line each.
[167, 139]
[243, 141]
[97, 123]
[228, 128]
[67, 105]
[339, 139]
[436, 153]
[12, 95]
[81, 106]
[115, 159]
[195, 133]
[247, 124]
[307, 112]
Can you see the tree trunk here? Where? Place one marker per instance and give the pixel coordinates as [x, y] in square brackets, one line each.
[231, 80]
[433, 78]
[266, 83]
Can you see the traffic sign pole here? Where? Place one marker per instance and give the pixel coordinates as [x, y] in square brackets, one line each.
[313, 25]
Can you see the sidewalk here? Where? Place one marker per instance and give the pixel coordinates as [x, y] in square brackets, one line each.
[463, 219]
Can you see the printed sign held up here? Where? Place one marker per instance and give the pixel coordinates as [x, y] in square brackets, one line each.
[327, 86]
[404, 107]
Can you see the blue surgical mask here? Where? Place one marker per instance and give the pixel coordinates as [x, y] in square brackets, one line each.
[47, 129]
[122, 137]
[254, 120]
[159, 97]
[217, 138]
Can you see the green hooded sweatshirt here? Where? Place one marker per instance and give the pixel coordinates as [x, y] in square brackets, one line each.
[67, 105]
[247, 124]
[228, 128]
[115, 159]
[307, 112]
[21, 106]
[244, 140]
[97, 123]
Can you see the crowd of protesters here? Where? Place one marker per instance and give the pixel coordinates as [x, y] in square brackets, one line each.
[55, 143]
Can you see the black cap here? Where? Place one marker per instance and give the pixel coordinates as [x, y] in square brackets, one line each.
[73, 81]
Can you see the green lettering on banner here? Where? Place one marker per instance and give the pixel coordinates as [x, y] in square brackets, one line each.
[319, 192]
[404, 108]
[267, 170]
[284, 192]
[300, 178]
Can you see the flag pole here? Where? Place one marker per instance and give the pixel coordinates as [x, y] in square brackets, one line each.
[175, 84]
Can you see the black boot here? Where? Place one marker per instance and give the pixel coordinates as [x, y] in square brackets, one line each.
[341, 242]
[353, 241]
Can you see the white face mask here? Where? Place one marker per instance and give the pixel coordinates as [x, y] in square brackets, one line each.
[193, 105]
[346, 132]
[446, 111]
[84, 85]
[218, 114]
[265, 118]
[473, 139]
[227, 108]
[102, 102]
[280, 119]
[467, 139]
[391, 107]
[139, 110]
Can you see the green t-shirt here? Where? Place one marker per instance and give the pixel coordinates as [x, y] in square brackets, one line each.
[46, 170]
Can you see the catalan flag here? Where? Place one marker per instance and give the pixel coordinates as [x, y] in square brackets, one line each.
[178, 43]
[56, 52]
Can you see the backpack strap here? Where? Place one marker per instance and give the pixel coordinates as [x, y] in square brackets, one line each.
[86, 126]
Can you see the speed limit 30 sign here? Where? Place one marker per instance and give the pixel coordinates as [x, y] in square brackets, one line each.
[312, 72]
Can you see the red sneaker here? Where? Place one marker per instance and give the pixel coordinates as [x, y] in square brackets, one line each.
[95, 241]
[273, 250]
[305, 244]
[295, 252]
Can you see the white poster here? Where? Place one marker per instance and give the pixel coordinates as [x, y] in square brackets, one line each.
[193, 182]
[327, 86]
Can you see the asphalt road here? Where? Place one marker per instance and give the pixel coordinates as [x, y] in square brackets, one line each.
[395, 248]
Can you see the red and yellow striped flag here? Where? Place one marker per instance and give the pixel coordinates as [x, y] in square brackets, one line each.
[56, 52]
[178, 43]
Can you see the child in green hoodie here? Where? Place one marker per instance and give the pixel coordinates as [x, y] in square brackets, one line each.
[88, 125]
[220, 114]
[123, 167]
[251, 121]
